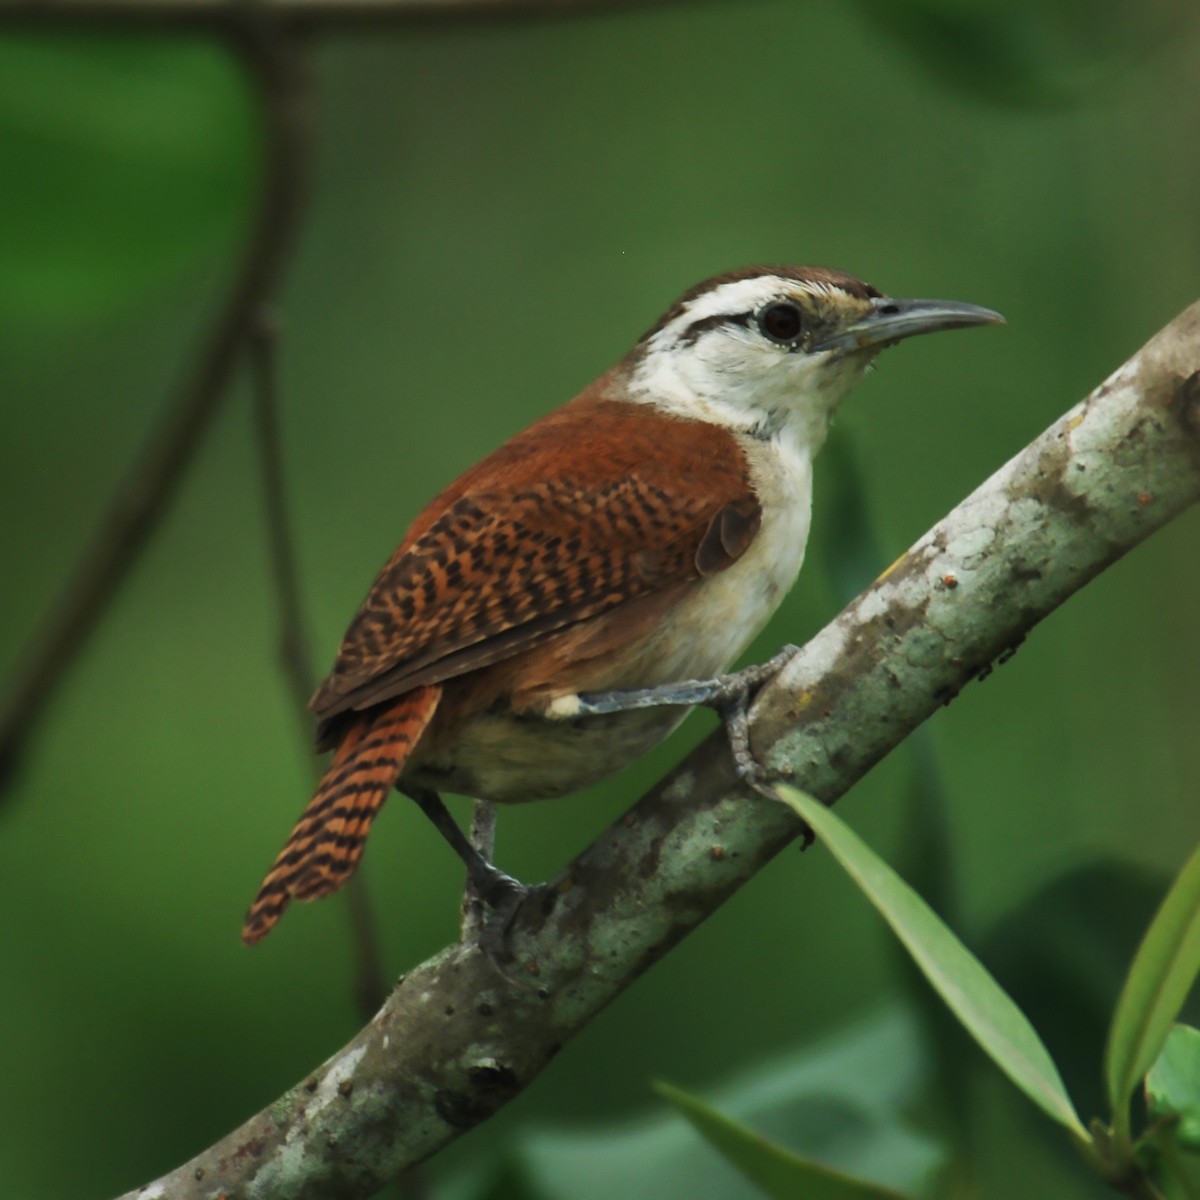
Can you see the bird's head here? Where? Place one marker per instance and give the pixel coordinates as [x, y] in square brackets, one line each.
[771, 348]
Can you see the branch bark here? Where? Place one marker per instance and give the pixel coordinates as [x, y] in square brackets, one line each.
[145, 494]
[458, 1038]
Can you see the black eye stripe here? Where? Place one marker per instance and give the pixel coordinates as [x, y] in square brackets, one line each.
[781, 321]
[692, 333]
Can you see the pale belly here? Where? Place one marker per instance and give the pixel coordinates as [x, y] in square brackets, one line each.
[508, 758]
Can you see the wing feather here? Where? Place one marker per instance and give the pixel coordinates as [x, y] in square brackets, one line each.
[526, 545]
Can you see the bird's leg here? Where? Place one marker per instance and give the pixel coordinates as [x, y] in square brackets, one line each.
[491, 884]
[482, 836]
[485, 881]
[728, 695]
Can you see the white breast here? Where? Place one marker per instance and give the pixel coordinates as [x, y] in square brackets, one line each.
[723, 614]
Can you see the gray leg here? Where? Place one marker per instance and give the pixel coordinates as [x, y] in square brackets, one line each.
[729, 695]
[491, 884]
[501, 892]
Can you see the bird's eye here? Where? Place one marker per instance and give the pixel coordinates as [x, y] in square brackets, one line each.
[781, 321]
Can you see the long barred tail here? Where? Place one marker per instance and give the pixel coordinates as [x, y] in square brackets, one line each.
[327, 842]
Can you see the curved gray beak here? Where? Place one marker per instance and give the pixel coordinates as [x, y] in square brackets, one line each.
[891, 320]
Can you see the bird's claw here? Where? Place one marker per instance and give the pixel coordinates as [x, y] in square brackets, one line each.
[732, 702]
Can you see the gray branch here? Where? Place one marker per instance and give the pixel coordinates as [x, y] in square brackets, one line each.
[457, 1039]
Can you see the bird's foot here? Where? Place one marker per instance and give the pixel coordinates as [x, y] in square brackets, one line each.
[728, 695]
[487, 886]
[494, 887]
[490, 906]
[733, 696]
[492, 933]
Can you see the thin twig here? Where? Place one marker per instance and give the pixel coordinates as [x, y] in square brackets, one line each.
[295, 654]
[145, 494]
[458, 1039]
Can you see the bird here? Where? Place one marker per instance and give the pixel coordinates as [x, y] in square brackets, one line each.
[554, 612]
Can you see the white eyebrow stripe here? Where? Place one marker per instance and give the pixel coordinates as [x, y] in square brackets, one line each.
[734, 301]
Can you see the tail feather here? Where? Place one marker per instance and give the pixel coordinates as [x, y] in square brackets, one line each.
[327, 842]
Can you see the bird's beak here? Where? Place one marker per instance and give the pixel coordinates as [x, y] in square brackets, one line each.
[891, 320]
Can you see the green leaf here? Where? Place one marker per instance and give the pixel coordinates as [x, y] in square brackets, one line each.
[780, 1174]
[1163, 971]
[1173, 1085]
[983, 1007]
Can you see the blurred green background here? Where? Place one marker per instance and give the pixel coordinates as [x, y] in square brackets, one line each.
[499, 209]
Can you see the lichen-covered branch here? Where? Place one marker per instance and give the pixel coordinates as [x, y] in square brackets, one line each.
[458, 1038]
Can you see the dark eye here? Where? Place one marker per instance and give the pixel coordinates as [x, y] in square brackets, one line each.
[781, 321]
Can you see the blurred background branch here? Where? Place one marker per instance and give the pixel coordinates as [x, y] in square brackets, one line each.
[295, 651]
[309, 16]
[280, 77]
